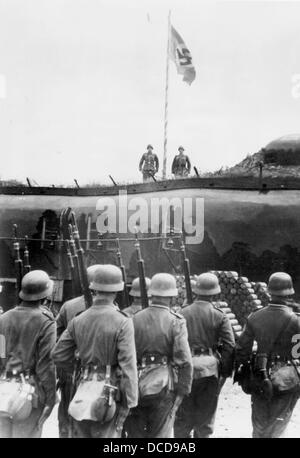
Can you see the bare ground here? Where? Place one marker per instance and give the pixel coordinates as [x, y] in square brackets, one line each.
[233, 416]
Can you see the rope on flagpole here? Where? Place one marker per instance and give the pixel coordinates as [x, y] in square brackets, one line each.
[166, 100]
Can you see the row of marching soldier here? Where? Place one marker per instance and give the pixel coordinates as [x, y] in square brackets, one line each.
[143, 372]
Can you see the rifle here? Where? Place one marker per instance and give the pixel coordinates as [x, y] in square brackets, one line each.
[123, 270]
[27, 266]
[75, 260]
[141, 269]
[71, 265]
[83, 272]
[18, 260]
[186, 271]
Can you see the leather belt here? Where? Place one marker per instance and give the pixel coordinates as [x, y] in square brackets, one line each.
[153, 358]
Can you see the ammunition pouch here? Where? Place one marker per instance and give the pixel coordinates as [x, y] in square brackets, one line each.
[17, 398]
[95, 397]
[155, 376]
[205, 363]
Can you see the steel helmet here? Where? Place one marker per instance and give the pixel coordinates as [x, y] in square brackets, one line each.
[280, 284]
[36, 285]
[107, 278]
[135, 287]
[91, 271]
[207, 285]
[163, 285]
[181, 148]
[149, 147]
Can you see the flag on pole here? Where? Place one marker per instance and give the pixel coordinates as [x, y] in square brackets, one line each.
[181, 55]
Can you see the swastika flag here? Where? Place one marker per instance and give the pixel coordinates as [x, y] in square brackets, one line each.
[181, 55]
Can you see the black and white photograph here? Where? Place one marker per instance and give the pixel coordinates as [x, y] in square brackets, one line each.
[149, 222]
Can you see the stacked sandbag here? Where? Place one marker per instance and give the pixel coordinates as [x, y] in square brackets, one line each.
[237, 328]
[239, 294]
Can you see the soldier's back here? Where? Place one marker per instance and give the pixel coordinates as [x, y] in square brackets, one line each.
[22, 328]
[269, 322]
[95, 332]
[203, 322]
[153, 328]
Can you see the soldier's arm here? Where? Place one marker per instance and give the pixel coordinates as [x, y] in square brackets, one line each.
[174, 165]
[45, 369]
[228, 344]
[188, 163]
[128, 364]
[141, 162]
[64, 350]
[61, 321]
[182, 358]
[244, 345]
[156, 163]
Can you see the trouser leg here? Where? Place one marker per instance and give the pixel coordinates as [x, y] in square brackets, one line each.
[5, 428]
[206, 401]
[63, 416]
[136, 423]
[197, 411]
[270, 418]
[160, 424]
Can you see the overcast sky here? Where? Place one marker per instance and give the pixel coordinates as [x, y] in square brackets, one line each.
[82, 84]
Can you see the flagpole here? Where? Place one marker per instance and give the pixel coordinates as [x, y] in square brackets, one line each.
[166, 100]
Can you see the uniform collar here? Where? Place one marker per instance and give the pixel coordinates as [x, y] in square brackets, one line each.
[160, 306]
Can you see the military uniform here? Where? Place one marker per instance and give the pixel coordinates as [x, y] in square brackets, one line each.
[270, 417]
[181, 165]
[133, 309]
[162, 333]
[207, 327]
[149, 165]
[30, 335]
[102, 336]
[67, 312]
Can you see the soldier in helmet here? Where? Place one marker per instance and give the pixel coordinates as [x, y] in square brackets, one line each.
[67, 312]
[181, 166]
[30, 334]
[208, 327]
[273, 328]
[104, 339]
[161, 345]
[149, 164]
[135, 292]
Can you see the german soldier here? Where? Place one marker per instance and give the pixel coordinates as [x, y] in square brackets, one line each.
[30, 333]
[162, 346]
[104, 339]
[67, 312]
[135, 292]
[149, 164]
[181, 166]
[212, 344]
[273, 328]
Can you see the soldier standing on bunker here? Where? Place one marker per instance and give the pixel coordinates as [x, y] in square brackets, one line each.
[135, 292]
[212, 343]
[164, 363]
[30, 335]
[276, 391]
[104, 339]
[67, 312]
[181, 166]
[149, 164]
